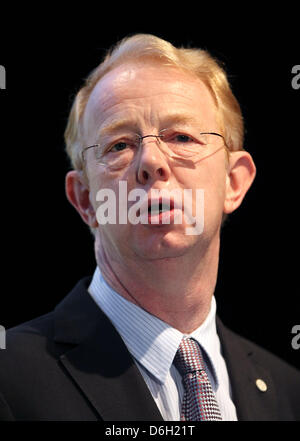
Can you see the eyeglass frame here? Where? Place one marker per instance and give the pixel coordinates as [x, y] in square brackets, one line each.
[140, 138]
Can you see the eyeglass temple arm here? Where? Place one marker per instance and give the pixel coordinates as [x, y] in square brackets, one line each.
[89, 147]
[217, 134]
[212, 133]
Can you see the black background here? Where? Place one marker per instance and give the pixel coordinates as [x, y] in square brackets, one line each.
[46, 248]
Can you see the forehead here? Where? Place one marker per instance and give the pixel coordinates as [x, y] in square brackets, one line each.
[149, 89]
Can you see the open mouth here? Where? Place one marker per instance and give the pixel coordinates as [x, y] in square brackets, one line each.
[160, 206]
[160, 211]
[157, 208]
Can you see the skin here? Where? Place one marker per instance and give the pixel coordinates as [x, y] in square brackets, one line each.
[158, 267]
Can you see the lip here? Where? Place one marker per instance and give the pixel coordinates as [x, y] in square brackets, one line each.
[161, 200]
[163, 218]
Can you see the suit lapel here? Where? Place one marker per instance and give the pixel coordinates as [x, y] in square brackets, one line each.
[104, 370]
[100, 363]
[244, 370]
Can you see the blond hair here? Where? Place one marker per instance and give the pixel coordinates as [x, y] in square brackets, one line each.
[142, 47]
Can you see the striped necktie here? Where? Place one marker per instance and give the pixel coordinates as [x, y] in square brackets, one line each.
[199, 402]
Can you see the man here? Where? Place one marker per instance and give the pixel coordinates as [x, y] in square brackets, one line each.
[141, 340]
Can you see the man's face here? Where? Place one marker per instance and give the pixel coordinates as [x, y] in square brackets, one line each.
[146, 98]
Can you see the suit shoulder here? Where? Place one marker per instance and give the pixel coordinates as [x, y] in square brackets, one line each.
[26, 342]
[263, 357]
[42, 326]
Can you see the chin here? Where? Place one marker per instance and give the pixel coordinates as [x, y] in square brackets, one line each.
[169, 245]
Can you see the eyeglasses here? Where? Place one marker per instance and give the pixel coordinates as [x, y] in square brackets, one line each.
[179, 145]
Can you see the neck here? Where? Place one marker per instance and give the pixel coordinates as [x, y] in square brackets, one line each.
[176, 290]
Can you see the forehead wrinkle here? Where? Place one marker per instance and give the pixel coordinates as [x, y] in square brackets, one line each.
[111, 90]
[179, 118]
[118, 125]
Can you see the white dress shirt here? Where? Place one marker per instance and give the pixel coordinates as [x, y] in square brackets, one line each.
[153, 345]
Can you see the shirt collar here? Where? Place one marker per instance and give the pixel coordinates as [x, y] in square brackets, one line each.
[152, 342]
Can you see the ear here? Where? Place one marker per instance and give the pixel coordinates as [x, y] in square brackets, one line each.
[240, 175]
[78, 194]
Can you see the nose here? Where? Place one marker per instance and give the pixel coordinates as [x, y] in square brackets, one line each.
[152, 164]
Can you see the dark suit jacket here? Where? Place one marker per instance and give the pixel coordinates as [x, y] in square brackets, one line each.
[71, 364]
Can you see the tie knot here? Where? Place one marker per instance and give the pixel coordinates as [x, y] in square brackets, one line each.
[188, 358]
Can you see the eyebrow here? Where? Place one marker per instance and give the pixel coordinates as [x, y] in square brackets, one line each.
[117, 126]
[122, 124]
[180, 118]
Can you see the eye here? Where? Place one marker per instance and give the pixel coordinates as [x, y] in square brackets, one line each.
[183, 138]
[118, 147]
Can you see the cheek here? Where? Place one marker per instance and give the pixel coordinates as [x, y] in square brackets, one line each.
[100, 179]
[107, 186]
[95, 184]
[211, 177]
[215, 192]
